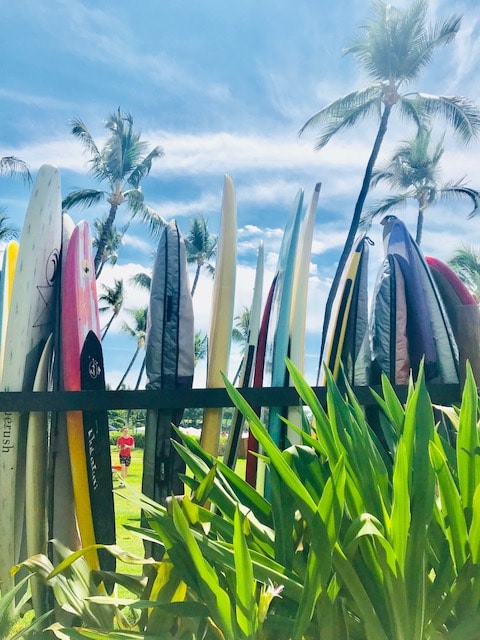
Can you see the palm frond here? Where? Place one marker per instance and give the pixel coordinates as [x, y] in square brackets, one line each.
[460, 112]
[7, 232]
[154, 221]
[143, 168]
[142, 280]
[83, 198]
[460, 190]
[79, 130]
[387, 205]
[345, 107]
[13, 166]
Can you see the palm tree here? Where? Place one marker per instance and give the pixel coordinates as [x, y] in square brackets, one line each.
[466, 264]
[240, 335]
[201, 247]
[393, 47]
[415, 169]
[121, 163]
[110, 249]
[137, 331]
[199, 347]
[7, 232]
[113, 299]
[12, 167]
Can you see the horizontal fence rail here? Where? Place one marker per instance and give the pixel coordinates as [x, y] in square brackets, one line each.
[20, 401]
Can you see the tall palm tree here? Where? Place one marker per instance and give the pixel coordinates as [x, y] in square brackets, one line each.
[121, 163]
[393, 47]
[200, 247]
[415, 169]
[112, 297]
[110, 249]
[12, 167]
[137, 331]
[466, 264]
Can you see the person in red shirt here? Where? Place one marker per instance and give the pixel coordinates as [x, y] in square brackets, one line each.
[125, 444]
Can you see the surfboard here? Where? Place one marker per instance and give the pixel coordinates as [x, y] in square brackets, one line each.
[388, 325]
[298, 317]
[231, 447]
[252, 443]
[30, 321]
[6, 283]
[356, 354]
[279, 324]
[430, 333]
[335, 334]
[221, 319]
[463, 313]
[419, 326]
[169, 363]
[83, 369]
[36, 478]
[61, 509]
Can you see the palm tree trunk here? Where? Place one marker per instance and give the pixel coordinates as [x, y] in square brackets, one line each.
[128, 368]
[195, 280]
[362, 196]
[107, 326]
[102, 242]
[142, 369]
[418, 237]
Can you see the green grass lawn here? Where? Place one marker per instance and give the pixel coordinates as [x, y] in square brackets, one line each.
[127, 513]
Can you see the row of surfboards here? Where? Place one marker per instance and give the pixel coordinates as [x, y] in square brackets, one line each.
[50, 339]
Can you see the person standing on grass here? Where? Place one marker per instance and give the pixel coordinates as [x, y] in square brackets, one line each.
[125, 444]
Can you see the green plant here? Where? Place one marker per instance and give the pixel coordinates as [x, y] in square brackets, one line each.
[359, 540]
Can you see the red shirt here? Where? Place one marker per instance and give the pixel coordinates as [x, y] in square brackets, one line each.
[125, 443]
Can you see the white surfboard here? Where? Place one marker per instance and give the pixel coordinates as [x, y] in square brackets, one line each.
[36, 478]
[221, 322]
[30, 322]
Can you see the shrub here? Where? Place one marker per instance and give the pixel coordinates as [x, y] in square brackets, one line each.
[356, 540]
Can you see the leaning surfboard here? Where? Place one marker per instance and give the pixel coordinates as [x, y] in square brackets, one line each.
[388, 325]
[335, 334]
[258, 373]
[30, 321]
[463, 313]
[61, 509]
[6, 284]
[221, 319]
[247, 369]
[169, 361]
[429, 330]
[298, 317]
[83, 370]
[36, 478]
[279, 325]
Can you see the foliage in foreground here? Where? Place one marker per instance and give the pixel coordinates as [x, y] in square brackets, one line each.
[359, 539]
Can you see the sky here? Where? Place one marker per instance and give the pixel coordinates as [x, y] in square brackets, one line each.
[224, 88]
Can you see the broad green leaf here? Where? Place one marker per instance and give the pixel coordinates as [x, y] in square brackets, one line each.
[400, 515]
[468, 449]
[365, 609]
[450, 507]
[292, 482]
[418, 432]
[245, 603]
[213, 594]
[474, 532]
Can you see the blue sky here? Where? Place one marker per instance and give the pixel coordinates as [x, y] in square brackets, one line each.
[224, 87]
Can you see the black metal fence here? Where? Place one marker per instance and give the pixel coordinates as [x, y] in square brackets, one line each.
[446, 394]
